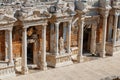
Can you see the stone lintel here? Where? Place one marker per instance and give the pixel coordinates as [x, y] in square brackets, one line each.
[64, 19]
[34, 23]
[6, 27]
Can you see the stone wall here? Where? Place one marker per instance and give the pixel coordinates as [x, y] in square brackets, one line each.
[109, 48]
[2, 45]
[74, 40]
[17, 49]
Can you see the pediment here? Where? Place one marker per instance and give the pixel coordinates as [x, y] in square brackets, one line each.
[30, 14]
[4, 19]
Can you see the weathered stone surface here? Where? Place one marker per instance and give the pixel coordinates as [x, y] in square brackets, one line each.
[59, 61]
[63, 28]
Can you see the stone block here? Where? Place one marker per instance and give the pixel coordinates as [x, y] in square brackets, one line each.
[17, 49]
[18, 63]
[7, 71]
[60, 60]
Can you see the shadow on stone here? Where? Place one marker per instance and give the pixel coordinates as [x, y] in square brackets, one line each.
[112, 78]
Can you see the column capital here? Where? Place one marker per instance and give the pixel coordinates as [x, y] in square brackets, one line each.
[24, 29]
[105, 13]
[94, 26]
[44, 26]
[116, 13]
[57, 23]
[10, 30]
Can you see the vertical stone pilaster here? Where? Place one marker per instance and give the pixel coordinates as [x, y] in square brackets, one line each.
[56, 38]
[69, 38]
[104, 30]
[80, 44]
[24, 51]
[43, 54]
[93, 39]
[116, 15]
[10, 47]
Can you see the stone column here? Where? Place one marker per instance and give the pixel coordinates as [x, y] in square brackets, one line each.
[93, 39]
[115, 28]
[6, 46]
[24, 51]
[80, 44]
[56, 38]
[43, 54]
[69, 37]
[10, 47]
[104, 30]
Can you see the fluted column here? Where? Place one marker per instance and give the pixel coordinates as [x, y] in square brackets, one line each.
[69, 37]
[80, 44]
[43, 55]
[116, 15]
[10, 47]
[93, 39]
[56, 38]
[24, 51]
[104, 30]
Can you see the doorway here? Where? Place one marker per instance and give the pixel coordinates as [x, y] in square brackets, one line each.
[30, 53]
[86, 40]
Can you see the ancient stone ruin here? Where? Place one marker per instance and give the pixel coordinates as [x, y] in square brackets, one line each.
[56, 33]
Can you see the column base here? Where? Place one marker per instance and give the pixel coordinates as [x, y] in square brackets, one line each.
[102, 54]
[24, 70]
[80, 59]
[93, 54]
[6, 60]
[43, 67]
[59, 60]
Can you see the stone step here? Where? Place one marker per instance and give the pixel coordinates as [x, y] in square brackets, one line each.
[6, 70]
